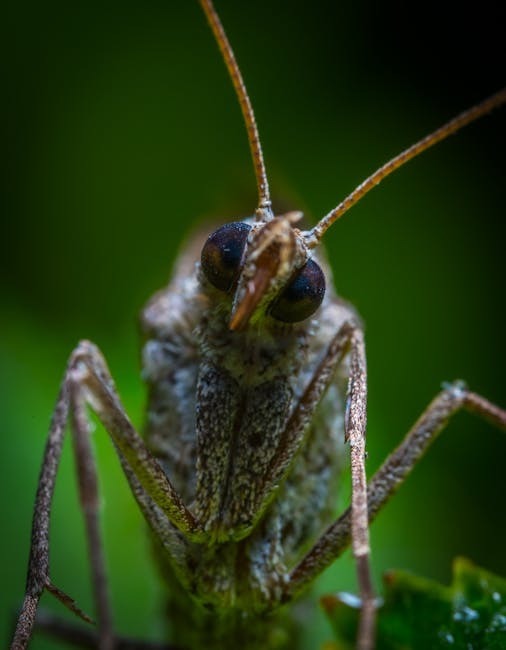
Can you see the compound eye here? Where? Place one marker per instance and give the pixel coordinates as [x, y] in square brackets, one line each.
[222, 254]
[302, 296]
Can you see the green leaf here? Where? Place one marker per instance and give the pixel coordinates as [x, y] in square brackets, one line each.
[418, 614]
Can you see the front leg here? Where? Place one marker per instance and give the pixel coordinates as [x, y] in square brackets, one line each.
[348, 340]
[355, 432]
[87, 381]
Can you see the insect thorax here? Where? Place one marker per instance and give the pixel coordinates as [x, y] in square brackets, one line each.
[219, 404]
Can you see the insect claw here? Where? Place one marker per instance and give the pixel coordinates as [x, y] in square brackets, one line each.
[69, 602]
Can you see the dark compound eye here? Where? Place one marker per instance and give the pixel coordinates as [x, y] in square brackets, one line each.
[302, 296]
[222, 253]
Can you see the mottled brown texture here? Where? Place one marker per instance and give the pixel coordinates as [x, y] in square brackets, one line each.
[261, 457]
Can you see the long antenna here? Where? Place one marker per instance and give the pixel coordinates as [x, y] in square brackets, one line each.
[314, 236]
[264, 201]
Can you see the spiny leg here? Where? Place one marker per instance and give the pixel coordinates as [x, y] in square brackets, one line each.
[398, 465]
[349, 339]
[147, 479]
[391, 475]
[84, 637]
[87, 379]
[296, 427]
[89, 498]
[355, 433]
[38, 565]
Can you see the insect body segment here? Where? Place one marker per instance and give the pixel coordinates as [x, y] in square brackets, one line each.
[247, 384]
[239, 421]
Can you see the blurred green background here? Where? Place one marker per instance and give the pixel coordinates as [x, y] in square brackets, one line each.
[122, 131]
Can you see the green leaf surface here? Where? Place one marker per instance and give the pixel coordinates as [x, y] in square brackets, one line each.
[418, 614]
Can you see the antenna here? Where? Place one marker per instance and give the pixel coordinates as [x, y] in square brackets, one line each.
[314, 236]
[264, 210]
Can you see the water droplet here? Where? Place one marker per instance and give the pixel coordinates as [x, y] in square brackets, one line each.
[349, 599]
[446, 638]
[466, 614]
[498, 623]
[496, 597]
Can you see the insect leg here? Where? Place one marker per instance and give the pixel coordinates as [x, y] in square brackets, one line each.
[84, 637]
[89, 497]
[355, 433]
[296, 427]
[143, 471]
[87, 380]
[38, 567]
[392, 474]
[350, 339]
[402, 460]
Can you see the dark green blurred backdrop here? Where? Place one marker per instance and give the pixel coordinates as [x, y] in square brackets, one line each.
[122, 131]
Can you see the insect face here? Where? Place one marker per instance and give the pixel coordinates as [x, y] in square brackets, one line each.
[267, 269]
[425, 270]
